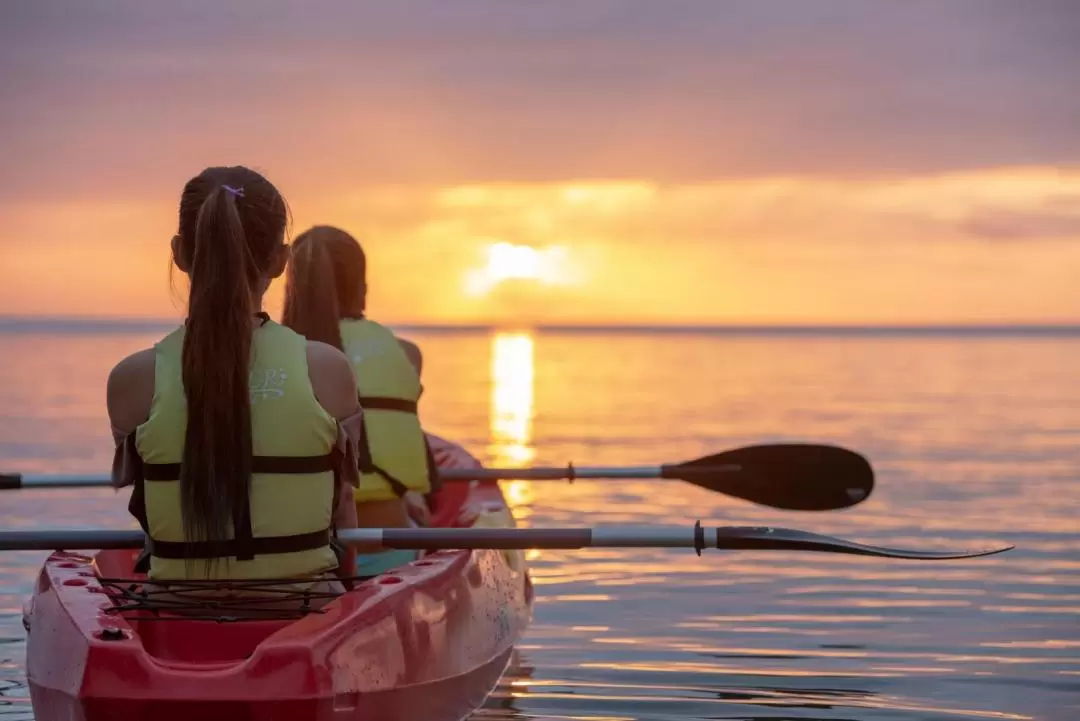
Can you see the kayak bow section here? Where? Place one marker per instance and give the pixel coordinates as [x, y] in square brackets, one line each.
[428, 640]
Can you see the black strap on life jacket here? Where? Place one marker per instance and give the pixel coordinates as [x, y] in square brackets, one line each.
[434, 479]
[244, 546]
[366, 461]
[366, 464]
[259, 464]
[265, 545]
[383, 403]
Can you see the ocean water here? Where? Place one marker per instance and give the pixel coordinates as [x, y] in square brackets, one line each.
[975, 439]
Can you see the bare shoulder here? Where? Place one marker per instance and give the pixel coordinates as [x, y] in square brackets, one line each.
[129, 392]
[332, 379]
[326, 358]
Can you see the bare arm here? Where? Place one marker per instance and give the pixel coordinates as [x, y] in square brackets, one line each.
[335, 389]
[129, 392]
[332, 380]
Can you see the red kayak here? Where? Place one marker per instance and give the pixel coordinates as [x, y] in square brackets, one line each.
[424, 642]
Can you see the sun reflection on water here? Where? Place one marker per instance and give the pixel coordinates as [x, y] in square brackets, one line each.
[512, 375]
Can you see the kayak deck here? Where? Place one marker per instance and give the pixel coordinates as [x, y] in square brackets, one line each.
[426, 641]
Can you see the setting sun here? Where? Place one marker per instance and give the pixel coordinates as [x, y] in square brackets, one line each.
[508, 261]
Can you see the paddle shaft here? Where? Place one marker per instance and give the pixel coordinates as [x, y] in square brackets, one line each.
[789, 476]
[499, 538]
[30, 480]
[428, 538]
[696, 537]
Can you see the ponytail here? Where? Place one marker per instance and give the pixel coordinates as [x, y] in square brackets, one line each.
[312, 308]
[215, 476]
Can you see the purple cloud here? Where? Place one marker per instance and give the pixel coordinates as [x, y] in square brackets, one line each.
[125, 97]
[1057, 219]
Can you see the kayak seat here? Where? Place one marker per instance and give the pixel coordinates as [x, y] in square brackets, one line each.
[175, 644]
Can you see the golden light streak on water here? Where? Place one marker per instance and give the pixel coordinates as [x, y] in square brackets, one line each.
[512, 378]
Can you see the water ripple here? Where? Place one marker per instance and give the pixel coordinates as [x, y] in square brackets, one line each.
[974, 443]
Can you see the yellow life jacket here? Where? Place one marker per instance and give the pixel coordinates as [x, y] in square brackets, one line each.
[286, 528]
[393, 454]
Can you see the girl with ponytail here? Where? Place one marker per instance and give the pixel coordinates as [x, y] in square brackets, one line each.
[233, 429]
[326, 300]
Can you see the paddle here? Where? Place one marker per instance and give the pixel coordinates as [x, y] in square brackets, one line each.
[790, 476]
[742, 538]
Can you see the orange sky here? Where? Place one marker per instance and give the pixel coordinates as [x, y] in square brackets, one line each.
[767, 250]
[689, 166]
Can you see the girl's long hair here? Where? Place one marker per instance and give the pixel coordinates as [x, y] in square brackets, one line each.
[325, 282]
[232, 220]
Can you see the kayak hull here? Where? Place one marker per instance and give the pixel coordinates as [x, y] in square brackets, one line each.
[452, 698]
[428, 641]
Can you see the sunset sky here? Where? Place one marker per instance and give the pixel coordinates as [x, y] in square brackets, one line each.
[563, 161]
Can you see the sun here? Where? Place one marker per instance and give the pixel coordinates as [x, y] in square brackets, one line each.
[508, 262]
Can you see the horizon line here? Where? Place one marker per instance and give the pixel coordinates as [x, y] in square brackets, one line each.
[90, 324]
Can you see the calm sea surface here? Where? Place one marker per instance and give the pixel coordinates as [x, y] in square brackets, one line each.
[976, 441]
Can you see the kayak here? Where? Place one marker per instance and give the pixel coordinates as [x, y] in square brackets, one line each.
[427, 641]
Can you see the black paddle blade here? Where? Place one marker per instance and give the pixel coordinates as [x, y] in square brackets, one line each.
[750, 538]
[791, 476]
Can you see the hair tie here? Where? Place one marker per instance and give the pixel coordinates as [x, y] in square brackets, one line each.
[238, 192]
